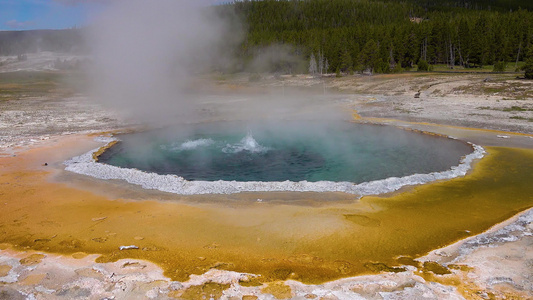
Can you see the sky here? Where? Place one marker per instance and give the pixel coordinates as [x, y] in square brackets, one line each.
[56, 14]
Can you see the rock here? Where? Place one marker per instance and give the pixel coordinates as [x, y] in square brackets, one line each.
[175, 285]
[133, 265]
[441, 253]
[128, 247]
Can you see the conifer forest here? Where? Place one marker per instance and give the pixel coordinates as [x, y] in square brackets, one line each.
[385, 36]
[347, 36]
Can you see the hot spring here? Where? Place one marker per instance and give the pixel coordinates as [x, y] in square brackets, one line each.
[286, 151]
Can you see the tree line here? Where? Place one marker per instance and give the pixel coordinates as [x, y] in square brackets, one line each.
[30, 41]
[325, 36]
[387, 36]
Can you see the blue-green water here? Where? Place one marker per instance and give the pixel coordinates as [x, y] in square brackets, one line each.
[295, 151]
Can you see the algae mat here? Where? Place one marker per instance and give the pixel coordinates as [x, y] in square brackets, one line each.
[309, 243]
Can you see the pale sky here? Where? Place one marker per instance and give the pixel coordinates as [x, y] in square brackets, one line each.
[57, 14]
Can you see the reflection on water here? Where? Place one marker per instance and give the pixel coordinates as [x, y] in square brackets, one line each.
[295, 151]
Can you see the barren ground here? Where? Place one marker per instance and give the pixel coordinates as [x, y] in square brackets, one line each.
[488, 101]
[35, 113]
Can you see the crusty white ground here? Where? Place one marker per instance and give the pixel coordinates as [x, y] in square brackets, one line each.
[501, 259]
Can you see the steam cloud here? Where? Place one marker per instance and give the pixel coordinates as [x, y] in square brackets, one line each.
[148, 55]
[145, 52]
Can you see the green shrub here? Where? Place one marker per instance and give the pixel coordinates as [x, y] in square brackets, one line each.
[499, 67]
[397, 69]
[528, 67]
[423, 65]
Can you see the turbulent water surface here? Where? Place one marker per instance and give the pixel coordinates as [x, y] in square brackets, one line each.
[294, 151]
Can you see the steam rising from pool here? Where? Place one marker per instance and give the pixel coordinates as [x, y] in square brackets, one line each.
[248, 143]
[146, 56]
[223, 160]
[188, 145]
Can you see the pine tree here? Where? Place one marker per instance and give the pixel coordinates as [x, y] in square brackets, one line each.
[478, 49]
[464, 41]
[528, 67]
[369, 56]
[346, 64]
[411, 54]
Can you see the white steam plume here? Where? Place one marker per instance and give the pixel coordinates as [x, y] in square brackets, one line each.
[145, 52]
